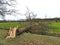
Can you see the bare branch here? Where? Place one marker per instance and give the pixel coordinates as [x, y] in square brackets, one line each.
[3, 7]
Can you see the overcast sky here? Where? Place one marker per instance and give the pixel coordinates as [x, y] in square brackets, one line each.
[48, 8]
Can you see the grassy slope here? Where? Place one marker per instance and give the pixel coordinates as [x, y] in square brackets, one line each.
[28, 39]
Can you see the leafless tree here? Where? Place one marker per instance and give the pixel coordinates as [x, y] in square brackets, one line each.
[3, 7]
[30, 15]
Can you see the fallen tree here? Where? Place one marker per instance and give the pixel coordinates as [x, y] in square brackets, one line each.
[13, 32]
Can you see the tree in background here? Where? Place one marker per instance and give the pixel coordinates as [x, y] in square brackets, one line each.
[30, 15]
[7, 8]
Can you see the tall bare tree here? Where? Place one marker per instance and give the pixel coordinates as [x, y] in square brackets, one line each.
[30, 15]
[3, 7]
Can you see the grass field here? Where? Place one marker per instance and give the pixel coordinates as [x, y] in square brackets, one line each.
[28, 39]
[13, 24]
[7, 25]
[56, 26]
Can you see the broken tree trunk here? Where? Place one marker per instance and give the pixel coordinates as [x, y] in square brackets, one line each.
[13, 32]
[24, 29]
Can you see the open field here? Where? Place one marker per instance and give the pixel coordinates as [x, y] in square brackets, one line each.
[29, 39]
[13, 24]
[55, 25]
[56, 28]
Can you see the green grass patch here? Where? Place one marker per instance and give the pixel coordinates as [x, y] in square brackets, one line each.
[13, 24]
[55, 27]
[56, 24]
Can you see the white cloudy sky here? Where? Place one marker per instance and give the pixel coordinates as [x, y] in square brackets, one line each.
[49, 8]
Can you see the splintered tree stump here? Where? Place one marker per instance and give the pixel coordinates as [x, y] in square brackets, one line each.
[12, 32]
